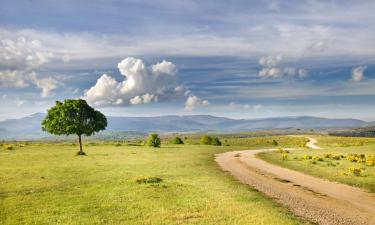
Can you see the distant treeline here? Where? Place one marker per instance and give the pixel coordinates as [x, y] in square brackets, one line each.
[359, 132]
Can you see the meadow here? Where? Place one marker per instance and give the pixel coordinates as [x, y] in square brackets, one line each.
[342, 159]
[121, 182]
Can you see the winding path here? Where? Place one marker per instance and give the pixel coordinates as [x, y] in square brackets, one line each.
[318, 200]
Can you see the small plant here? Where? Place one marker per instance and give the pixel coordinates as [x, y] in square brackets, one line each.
[149, 180]
[356, 171]
[370, 160]
[336, 157]
[177, 141]
[307, 157]
[275, 143]
[285, 156]
[153, 140]
[317, 158]
[327, 155]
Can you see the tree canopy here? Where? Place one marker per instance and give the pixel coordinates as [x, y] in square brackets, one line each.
[74, 116]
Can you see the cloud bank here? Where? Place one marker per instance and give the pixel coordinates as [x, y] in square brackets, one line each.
[141, 85]
[273, 68]
[19, 59]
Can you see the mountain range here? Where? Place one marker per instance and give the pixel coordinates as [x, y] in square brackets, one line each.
[29, 127]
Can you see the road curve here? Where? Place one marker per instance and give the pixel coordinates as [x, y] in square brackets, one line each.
[318, 200]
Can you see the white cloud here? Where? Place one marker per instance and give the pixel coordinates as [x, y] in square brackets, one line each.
[46, 84]
[193, 101]
[273, 68]
[258, 107]
[358, 73]
[141, 84]
[270, 61]
[19, 102]
[18, 60]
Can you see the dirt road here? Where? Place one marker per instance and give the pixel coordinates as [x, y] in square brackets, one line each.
[318, 200]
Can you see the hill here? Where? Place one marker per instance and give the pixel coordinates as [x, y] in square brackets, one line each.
[29, 127]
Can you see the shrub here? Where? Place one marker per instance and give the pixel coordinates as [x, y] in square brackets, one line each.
[177, 141]
[274, 142]
[8, 147]
[307, 157]
[153, 140]
[355, 171]
[317, 158]
[327, 155]
[285, 156]
[206, 140]
[216, 141]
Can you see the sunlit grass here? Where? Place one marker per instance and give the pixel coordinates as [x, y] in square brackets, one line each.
[327, 163]
[48, 184]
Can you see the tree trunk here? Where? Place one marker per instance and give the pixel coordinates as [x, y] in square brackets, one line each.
[80, 144]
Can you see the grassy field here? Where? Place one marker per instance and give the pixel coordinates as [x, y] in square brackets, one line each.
[332, 161]
[43, 183]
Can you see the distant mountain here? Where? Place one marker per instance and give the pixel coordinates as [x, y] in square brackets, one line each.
[29, 127]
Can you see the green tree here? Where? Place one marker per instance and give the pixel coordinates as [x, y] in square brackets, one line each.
[153, 140]
[74, 116]
[177, 141]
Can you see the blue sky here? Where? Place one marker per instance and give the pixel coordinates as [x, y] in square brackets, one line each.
[242, 59]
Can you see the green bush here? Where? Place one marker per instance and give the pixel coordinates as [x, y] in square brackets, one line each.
[274, 142]
[153, 140]
[177, 141]
[208, 140]
[216, 141]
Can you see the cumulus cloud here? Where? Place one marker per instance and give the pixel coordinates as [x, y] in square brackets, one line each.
[358, 73]
[18, 61]
[193, 101]
[273, 68]
[141, 84]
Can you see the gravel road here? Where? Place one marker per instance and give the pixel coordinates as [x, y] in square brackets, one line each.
[318, 200]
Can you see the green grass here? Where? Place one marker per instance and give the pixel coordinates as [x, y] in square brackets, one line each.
[47, 184]
[331, 169]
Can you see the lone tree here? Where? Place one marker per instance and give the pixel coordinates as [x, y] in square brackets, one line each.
[74, 116]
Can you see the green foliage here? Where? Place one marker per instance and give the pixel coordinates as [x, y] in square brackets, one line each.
[356, 171]
[73, 116]
[153, 140]
[208, 140]
[177, 141]
[274, 142]
[216, 141]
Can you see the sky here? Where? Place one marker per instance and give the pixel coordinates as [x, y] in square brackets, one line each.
[232, 58]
